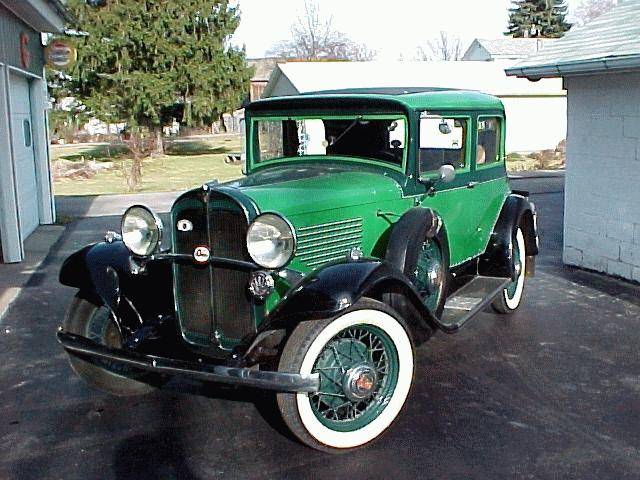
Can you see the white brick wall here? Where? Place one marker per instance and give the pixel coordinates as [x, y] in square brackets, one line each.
[602, 193]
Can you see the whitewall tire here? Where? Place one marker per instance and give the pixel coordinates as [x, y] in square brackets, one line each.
[511, 297]
[365, 360]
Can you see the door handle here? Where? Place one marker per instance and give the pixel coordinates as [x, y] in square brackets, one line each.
[471, 184]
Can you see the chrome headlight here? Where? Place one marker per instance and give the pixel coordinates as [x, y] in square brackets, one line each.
[270, 241]
[141, 230]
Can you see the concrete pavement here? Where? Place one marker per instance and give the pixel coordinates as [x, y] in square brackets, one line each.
[105, 205]
[14, 276]
[550, 392]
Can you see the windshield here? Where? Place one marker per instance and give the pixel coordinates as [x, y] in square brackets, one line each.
[371, 138]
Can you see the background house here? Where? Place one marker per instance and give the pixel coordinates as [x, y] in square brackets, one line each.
[26, 200]
[536, 112]
[262, 68]
[506, 48]
[600, 64]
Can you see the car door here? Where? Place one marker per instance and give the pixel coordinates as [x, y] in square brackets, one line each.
[489, 176]
[447, 138]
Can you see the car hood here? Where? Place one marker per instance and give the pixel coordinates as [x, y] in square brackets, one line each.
[298, 189]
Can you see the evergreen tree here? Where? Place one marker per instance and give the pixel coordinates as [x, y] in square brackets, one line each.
[146, 62]
[538, 18]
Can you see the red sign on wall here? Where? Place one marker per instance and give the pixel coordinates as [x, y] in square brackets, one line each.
[25, 55]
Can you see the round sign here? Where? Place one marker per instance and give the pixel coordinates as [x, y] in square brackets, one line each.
[60, 55]
[201, 254]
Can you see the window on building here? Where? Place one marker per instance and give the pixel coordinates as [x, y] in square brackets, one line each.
[26, 128]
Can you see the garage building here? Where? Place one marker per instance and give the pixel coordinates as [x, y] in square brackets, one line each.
[26, 198]
[536, 112]
[600, 65]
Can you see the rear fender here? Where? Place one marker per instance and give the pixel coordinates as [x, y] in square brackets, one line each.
[517, 211]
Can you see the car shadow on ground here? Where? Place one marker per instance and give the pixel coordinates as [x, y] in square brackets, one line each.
[151, 456]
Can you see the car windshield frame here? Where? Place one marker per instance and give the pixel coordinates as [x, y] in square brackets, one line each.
[253, 150]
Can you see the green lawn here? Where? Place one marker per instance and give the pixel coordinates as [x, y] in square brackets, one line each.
[186, 165]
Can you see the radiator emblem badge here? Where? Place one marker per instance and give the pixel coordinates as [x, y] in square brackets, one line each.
[184, 225]
[201, 254]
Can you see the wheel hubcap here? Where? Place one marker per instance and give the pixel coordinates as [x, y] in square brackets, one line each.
[359, 382]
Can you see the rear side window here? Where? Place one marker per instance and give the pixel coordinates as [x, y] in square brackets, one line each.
[489, 141]
[442, 142]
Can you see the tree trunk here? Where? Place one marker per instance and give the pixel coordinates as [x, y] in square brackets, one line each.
[133, 176]
[159, 140]
[223, 126]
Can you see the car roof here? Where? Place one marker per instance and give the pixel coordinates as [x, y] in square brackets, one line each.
[409, 98]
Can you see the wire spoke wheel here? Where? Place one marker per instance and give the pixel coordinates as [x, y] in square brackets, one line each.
[429, 274]
[358, 371]
[364, 360]
[96, 323]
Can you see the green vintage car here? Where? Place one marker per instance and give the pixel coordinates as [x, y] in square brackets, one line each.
[367, 221]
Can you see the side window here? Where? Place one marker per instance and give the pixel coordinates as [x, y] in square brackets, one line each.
[489, 141]
[442, 141]
[26, 129]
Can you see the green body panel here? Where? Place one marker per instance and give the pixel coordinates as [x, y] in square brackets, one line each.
[469, 215]
[328, 188]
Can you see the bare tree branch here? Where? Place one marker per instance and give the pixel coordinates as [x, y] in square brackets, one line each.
[313, 37]
[442, 48]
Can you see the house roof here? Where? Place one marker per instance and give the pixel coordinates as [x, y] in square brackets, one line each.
[41, 15]
[376, 99]
[611, 42]
[509, 47]
[262, 68]
[487, 77]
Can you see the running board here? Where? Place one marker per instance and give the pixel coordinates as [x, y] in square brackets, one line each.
[469, 300]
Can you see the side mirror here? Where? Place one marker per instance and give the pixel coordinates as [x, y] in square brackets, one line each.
[447, 173]
[444, 127]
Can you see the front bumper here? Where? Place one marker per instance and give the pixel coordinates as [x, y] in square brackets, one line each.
[246, 377]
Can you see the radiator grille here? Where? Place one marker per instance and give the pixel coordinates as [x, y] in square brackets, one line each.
[211, 299]
[232, 307]
[318, 244]
[192, 282]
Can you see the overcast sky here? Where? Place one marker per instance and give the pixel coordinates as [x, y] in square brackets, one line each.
[392, 27]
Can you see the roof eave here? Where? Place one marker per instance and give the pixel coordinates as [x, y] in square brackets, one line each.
[41, 15]
[596, 65]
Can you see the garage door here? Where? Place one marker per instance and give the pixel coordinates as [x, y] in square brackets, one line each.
[24, 157]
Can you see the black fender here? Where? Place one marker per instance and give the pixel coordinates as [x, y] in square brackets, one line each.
[336, 287]
[409, 232]
[517, 211]
[106, 271]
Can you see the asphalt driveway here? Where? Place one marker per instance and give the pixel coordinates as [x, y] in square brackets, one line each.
[551, 392]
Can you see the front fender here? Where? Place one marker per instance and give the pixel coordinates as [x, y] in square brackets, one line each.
[97, 269]
[336, 287]
[108, 272]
